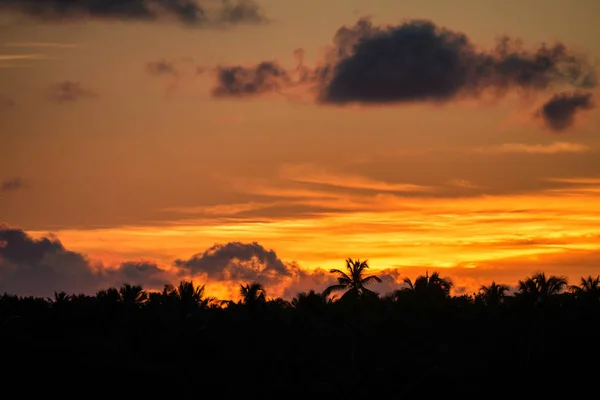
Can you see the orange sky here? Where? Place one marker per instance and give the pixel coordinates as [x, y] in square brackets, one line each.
[145, 167]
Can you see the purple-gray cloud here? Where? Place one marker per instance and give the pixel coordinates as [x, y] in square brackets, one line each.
[38, 267]
[238, 261]
[161, 68]
[12, 184]
[70, 91]
[560, 110]
[186, 12]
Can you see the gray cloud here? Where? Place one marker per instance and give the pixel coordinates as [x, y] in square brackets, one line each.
[69, 91]
[560, 110]
[236, 261]
[38, 267]
[12, 184]
[411, 62]
[145, 273]
[239, 81]
[186, 12]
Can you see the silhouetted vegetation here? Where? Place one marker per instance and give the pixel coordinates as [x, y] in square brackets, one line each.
[418, 342]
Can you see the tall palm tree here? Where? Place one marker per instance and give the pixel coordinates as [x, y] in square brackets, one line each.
[494, 294]
[353, 281]
[132, 296]
[538, 287]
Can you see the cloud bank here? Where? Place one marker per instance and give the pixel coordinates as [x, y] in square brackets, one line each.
[416, 61]
[185, 12]
[38, 267]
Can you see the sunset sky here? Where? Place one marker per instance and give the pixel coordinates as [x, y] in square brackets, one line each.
[236, 141]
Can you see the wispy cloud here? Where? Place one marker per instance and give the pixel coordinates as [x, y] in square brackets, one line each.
[221, 209]
[551, 148]
[42, 45]
[581, 181]
[312, 174]
[463, 183]
[18, 57]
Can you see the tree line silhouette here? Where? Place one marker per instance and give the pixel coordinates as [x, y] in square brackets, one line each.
[346, 342]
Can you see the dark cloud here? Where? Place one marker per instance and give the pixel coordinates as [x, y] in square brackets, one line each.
[186, 12]
[145, 273]
[240, 81]
[414, 61]
[38, 267]
[236, 261]
[559, 111]
[161, 67]
[241, 11]
[12, 185]
[69, 91]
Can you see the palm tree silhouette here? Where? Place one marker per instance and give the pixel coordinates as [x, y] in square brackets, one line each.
[353, 282]
[253, 294]
[310, 302]
[588, 288]
[109, 296]
[433, 286]
[60, 299]
[494, 294]
[539, 288]
[132, 296]
[188, 296]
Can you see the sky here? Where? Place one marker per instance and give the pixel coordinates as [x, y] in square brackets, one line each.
[151, 141]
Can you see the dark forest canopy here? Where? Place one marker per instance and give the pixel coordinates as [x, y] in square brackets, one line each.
[347, 342]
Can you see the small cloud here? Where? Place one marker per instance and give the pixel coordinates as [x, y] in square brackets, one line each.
[240, 81]
[161, 68]
[238, 262]
[69, 91]
[13, 184]
[552, 148]
[560, 110]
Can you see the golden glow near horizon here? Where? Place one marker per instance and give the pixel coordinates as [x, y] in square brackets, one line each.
[413, 235]
[124, 163]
